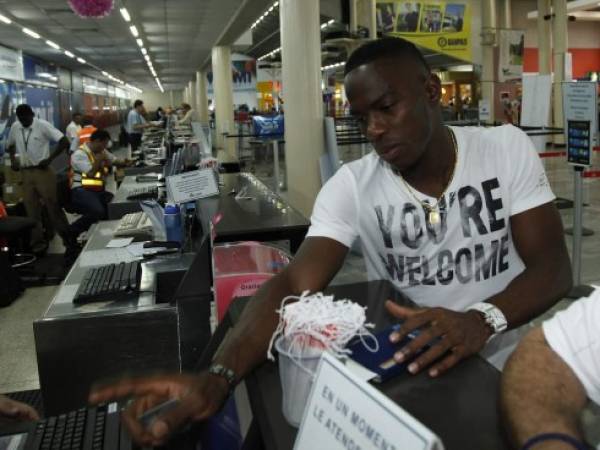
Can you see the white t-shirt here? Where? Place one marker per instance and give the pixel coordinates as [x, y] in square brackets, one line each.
[574, 334]
[80, 163]
[33, 143]
[72, 131]
[470, 255]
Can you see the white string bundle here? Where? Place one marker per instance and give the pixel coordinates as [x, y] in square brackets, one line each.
[318, 322]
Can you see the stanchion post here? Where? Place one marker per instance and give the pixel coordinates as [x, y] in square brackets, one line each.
[276, 164]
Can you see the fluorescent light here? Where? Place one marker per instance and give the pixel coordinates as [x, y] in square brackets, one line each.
[53, 45]
[139, 42]
[5, 19]
[31, 33]
[81, 60]
[147, 58]
[144, 51]
[125, 14]
[105, 73]
[330, 22]
[69, 54]
[134, 31]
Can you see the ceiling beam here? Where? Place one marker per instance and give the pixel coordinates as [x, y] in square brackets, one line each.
[572, 7]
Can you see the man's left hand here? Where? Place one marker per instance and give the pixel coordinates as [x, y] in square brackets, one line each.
[453, 336]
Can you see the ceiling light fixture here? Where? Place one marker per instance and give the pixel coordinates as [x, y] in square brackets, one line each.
[144, 51]
[104, 73]
[53, 45]
[31, 33]
[134, 31]
[264, 15]
[139, 42]
[81, 60]
[69, 54]
[125, 14]
[5, 19]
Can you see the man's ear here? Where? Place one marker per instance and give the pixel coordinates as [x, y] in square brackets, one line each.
[433, 88]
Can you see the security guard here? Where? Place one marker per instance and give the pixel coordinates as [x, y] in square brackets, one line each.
[90, 164]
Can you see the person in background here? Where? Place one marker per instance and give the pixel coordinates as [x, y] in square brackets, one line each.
[159, 114]
[12, 409]
[84, 134]
[90, 165]
[188, 115]
[29, 147]
[136, 124]
[551, 376]
[74, 127]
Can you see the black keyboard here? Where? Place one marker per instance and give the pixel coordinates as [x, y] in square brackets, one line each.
[143, 193]
[113, 282]
[96, 428]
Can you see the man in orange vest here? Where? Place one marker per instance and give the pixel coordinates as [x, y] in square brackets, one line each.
[90, 164]
[84, 134]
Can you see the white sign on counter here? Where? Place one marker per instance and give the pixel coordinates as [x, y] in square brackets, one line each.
[344, 412]
[192, 185]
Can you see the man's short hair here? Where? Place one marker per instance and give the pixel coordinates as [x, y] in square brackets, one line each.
[137, 103]
[186, 106]
[24, 110]
[388, 47]
[100, 135]
[77, 114]
[87, 120]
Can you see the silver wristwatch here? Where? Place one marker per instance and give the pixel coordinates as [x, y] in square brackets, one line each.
[492, 315]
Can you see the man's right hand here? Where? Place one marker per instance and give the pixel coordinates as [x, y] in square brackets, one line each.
[200, 397]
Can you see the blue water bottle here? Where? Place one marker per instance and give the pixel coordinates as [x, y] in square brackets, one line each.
[172, 217]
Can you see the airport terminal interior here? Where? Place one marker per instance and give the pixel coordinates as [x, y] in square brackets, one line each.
[308, 224]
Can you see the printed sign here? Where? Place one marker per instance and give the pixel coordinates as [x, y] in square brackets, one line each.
[344, 412]
[192, 185]
[444, 27]
[243, 75]
[512, 47]
[580, 106]
[39, 72]
[268, 126]
[11, 64]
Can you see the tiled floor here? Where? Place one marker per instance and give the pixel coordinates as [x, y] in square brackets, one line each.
[18, 369]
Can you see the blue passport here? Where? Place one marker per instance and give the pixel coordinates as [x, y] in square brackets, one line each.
[382, 362]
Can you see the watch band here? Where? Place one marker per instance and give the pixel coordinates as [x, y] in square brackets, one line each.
[224, 372]
[492, 315]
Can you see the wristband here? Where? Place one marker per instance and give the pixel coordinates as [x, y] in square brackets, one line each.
[573, 442]
[224, 372]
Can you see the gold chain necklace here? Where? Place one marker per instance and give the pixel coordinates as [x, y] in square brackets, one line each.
[433, 211]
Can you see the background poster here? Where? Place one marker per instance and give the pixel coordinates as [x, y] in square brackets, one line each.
[11, 64]
[444, 27]
[243, 74]
[510, 60]
[44, 102]
[11, 96]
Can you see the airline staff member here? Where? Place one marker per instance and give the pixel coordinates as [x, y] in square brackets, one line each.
[90, 165]
[74, 127]
[136, 124]
[84, 133]
[29, 148]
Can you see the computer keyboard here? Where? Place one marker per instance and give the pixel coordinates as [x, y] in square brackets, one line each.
[113, 282]
[134, 225]
[143, 193]
[96, 428]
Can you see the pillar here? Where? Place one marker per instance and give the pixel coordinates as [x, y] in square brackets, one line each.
[488, 41]
[544, 34]
[185, 94]
[301, 76]
[201, 97]
[373, 19]
[223, 92]
[507, 14]
[171, 101]
[353, 16]
[192, 99]
[559, 33]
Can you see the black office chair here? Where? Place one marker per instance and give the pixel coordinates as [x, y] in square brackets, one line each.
[16, 231]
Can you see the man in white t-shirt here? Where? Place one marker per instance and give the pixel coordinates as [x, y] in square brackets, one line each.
[461, 220]
[550, 377]
[74, 127]
[29, 147]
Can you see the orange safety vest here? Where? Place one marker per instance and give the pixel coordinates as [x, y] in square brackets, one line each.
[85, 134]
[95, 183]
